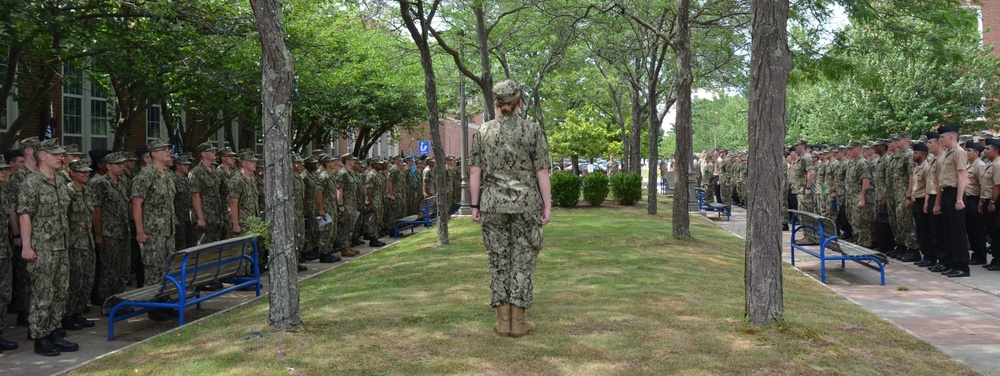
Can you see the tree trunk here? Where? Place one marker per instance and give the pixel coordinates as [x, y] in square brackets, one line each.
[682, 126]
[482, 36]
[770, 63]
[410, 18]
[654, 138]
[278, 74]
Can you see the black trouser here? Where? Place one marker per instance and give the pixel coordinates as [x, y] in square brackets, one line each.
[793, 200]
[975, 229]
[938, 230]
[718, 189]
[993, 230]
[925, 233]
[956, 243]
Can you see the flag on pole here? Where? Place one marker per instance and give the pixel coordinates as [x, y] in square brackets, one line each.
[178, 143]
[50, 129]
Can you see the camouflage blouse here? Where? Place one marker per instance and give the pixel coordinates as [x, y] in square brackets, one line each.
[47, 202]
[81, 206]
[244, 189]
[156, 189]
[510, 151]
[113, 199]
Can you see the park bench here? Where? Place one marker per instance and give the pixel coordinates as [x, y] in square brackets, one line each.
[822, 231]
[187, 270]
[426, 217]
[719, 208]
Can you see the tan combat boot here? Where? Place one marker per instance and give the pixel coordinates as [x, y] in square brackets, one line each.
[349, 252]
[518, 326]
[503, 321]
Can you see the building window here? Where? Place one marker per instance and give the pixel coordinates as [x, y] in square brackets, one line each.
[85, 113]
[153, 123]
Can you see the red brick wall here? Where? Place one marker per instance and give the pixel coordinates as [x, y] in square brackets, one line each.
[451, 136]
[990, 11]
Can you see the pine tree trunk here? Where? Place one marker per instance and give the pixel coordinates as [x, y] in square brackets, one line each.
[682, 126]
[770, 63]
[278, 78]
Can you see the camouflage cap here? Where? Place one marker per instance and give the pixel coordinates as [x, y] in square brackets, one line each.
[157, 143]
[877, 143]
[376, 160]
[297, 158]
[206, 146]
[396, 158]
[51, 146]
[3, 163]
[227, 152]
[310, 160]
[184, 160]
[80, 165]
[854, 144]
[72, 149]
[115, 158]
[986, 135]
[923, 138]
[348, 156]
[323, 158]
[30, 142]
[964, 138]
[247, 155]
[429, 160]
[507, 91]
[451, 158]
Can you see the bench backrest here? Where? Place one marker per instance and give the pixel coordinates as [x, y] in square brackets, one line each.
[204, 263]
[815, 222]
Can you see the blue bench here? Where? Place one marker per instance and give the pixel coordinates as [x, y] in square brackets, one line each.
[428, 213]
[817, 230]
[186, 271]
[719, 208]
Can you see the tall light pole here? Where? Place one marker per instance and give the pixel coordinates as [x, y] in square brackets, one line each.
[464, 209]
[715, 134]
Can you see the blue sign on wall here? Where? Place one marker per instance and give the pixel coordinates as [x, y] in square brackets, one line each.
[424, 147]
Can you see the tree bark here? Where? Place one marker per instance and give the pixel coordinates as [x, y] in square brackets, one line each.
[278, 75]
[483, 38]
[682, 126]
[770, 63]
[413, 13]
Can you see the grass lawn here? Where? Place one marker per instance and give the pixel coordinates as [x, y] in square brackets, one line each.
[614, 295]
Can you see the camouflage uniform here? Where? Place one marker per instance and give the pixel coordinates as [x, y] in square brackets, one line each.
[706, 171]
[311, 238]
[726, 181]
[510, 150]
[112, 199]
[350, 187]
[800, 171]
[224, 176]
[327, 184]
[156, 189]
[862, 218]
[376, 181]
[396, 207]
[6, 255]
[418, 191]
[428, 179]
[81, 248]
[21, 293]
[208, 184]
[46, 202]
[898, 177]
[185, 237]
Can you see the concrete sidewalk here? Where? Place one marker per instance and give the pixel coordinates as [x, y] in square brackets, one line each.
[959, 316]
[94, 341]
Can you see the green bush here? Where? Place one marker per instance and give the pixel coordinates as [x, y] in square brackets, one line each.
[626, 188]
[595, 188]
[565, 189]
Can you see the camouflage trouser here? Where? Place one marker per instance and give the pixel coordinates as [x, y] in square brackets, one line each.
[373, 227]
[213, 232]
[727, 193]
[300, 235]
[905, 225]
[709, 191]
[862, 222]
[350, 223]
[310, 240]
[807, 203]
[116, 265]
[6, 279]
[328, 235]
[49, 291]
[784, 205]
[81, 279]
[512, 242]
[184, 237]
[155, 255]
[21, 294]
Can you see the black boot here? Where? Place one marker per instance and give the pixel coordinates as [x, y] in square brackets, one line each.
[311, 256]
[44, 347]
[329, 258]
[62, 344]
[158, 315]
[69, 324]
[6, 345]
[356, 242]
[83, 321]
[302, 268]
[376, 243]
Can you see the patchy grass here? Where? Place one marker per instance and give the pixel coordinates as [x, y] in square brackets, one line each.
[615, 295]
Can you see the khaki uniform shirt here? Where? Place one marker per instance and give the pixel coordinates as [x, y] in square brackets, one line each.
[920, 175]
[932, 175]
[987, 182]
[974, 171]
[953, 162]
